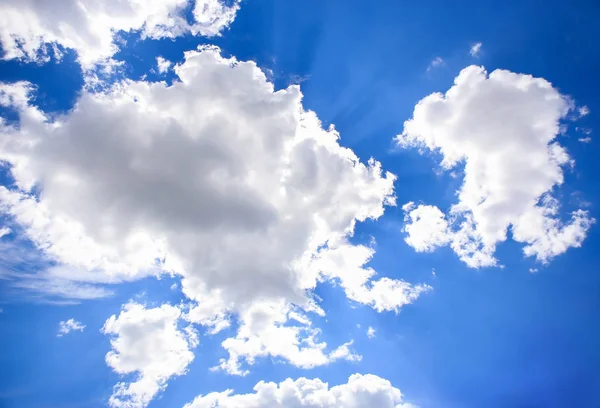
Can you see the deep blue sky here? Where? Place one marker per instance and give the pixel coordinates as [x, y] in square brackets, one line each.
[483, 338]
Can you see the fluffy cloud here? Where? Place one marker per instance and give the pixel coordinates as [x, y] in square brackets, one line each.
[503, 129]
[360, 391]
[370, 332]
[218, 179]
[66, 327]
[265, 331]
[163, 65]
[146, 342]
[30, 28]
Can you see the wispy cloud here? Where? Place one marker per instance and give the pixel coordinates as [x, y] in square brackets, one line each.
[475, 50]
[36, 278]
[435, 63]
[583, 111]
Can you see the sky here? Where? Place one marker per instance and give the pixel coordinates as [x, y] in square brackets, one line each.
[255, 203]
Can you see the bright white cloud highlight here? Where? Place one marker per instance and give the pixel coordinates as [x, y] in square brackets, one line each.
[147, 343]
[4, 231]
[218, 179]
[163, 65]
[370, 332]
[503, 129]
[359, 392]
[67, 326]
[475, 50]
[29, 29]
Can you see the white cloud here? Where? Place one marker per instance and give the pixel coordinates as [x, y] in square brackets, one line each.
[218, 179]
[426, 227]
[163, 65]
[264, 332]
[148, 343]
[30, 29]
[503, 128]
[67, 326]
[586, 139]
[435, 63]
[583, 111]
[360, 391]
[346, 263]
[475, 50]
[4, 231]
[370, 332]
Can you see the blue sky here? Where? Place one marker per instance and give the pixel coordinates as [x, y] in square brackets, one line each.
[453, 329]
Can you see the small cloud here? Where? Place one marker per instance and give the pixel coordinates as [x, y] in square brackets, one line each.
[65, 327]
[533, 270]
[585, 131]
[370, 332]
[5, 231]
[475, 50]
[298, 79]
[437, 62]
[585, 139]
[358, 326]
[163, 65]
[433, 273]
[583, 111]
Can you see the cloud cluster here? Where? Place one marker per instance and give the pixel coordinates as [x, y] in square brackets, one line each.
[148, 343]
[218, 179]
[360, 391]
[31, 29]
[503, 128]
[67, 326]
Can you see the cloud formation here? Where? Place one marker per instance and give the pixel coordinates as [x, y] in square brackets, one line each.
[67, 326]
[147, 343]
[475, 49]
[360, 391]
[218, 179]
[503, 127]
[32, 29]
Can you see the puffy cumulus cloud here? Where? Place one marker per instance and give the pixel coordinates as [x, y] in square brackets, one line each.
[218, 179]
[360, 391]
[67, 326]
[29, 29]
[346, 264]
[146, 342]
[426, 227]
[370, 332]
[503, 128]
[162, 65]
[281, 331]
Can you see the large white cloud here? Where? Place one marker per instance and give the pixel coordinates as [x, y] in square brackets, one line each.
[148, 343]
[29, 28]
[218, 179]
[504, 129]
[360, 391]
